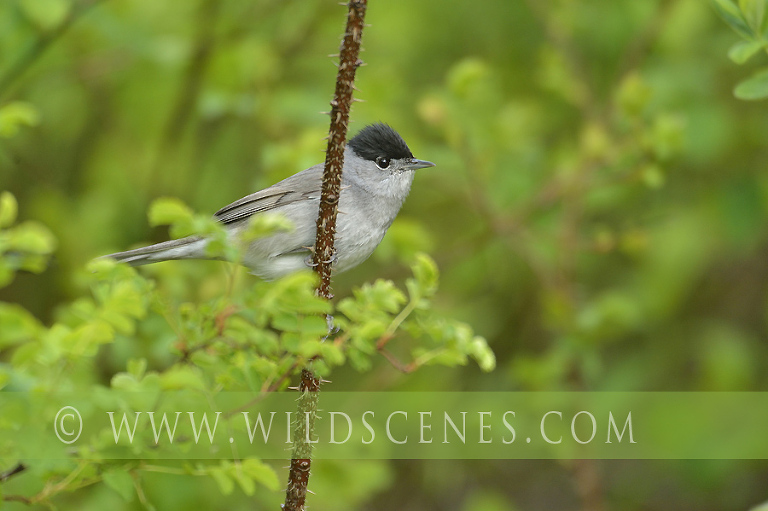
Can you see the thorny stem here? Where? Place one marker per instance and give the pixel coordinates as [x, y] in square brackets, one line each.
[334, 154]
[301, 460]
[323, 254]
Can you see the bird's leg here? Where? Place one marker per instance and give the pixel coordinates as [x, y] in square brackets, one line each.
[332, 329]
[309, 261]
[333, 258]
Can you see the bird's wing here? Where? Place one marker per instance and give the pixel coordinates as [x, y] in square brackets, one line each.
[302, 186]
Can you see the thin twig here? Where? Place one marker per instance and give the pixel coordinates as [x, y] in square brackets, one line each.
[19, 468]
[396, 363]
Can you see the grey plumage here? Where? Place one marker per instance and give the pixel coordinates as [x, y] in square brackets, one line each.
[378, 172]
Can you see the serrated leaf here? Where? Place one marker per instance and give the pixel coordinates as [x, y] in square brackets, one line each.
[120, 481]
[732, 16]
[383, 295]
[753, 88]
[426, 273]
[167, 211]
[744, 50]
[9, 208]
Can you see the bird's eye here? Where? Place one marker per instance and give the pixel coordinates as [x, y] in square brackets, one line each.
[382, 162]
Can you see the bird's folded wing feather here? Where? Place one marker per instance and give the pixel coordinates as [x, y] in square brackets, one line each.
[303, 186]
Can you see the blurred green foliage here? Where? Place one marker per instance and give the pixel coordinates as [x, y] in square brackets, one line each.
[750, 20]
[599, 214]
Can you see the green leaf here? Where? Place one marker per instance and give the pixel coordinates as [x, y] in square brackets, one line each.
[137, 367]
[18, 325]
[732, 16]
[167, 211]
[426, 273]
[85, 340]
[26, 354]
[483, 354]
[383, 295]
[46, 14]
[744, 50]
[120, 481]
[182, 377]
[8, 209]
[15, 115]
[753, 88]
[261, 473]
[225, 483]
[332, 354]
[245, 482]
[266, 224]
[753, 11]
[124, 381]
[31, 237]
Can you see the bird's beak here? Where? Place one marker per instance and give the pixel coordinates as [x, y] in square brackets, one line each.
[418, 164]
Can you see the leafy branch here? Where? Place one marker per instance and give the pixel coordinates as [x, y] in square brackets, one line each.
[750, 20]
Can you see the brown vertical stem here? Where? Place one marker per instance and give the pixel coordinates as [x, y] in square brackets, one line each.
[298, 477]
[589, 484]
[301, 460]
[337, 137]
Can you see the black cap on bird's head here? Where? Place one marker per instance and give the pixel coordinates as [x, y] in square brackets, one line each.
[380, 143]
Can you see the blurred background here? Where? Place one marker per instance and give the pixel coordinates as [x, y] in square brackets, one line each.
[599, 209]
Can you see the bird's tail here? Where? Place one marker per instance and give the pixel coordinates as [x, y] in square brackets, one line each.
[192, 247]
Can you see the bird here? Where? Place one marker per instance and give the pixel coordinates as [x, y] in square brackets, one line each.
[377, 175]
